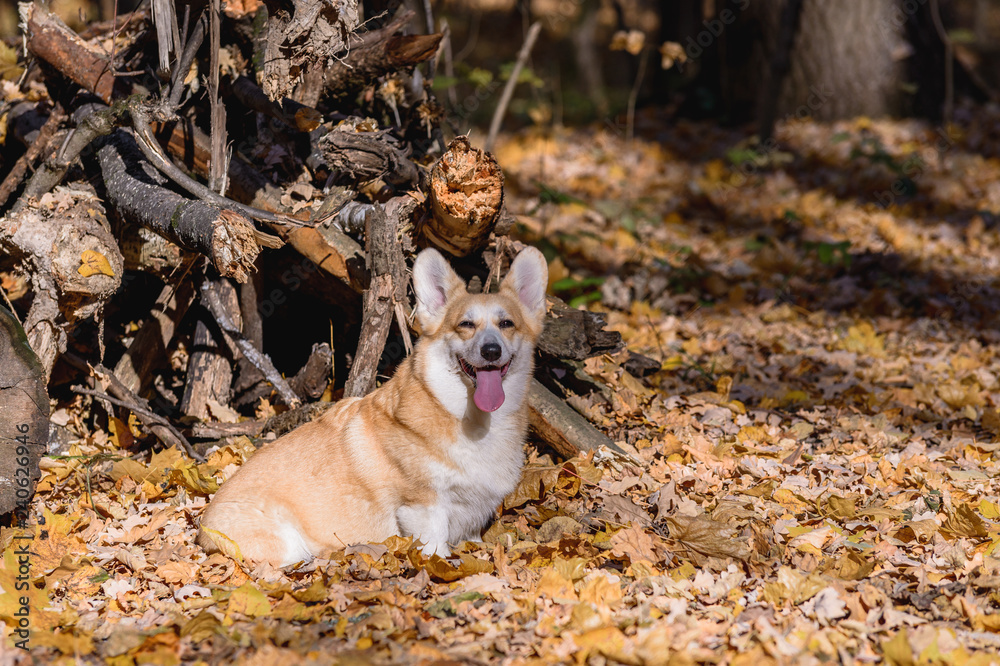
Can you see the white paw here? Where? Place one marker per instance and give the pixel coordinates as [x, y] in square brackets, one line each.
[440, 549]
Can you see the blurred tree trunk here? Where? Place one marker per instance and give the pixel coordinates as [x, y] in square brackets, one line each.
[846, 58]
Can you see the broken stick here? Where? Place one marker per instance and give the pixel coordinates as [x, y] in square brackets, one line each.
[562, 427]
[136, 189]
[388, 287]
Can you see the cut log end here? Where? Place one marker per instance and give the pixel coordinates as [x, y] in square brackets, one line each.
[234, 245]
[466, 193]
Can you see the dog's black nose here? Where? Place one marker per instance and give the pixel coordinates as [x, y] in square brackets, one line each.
[491, 351]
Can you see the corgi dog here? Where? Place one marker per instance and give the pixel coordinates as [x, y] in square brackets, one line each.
[430, 454]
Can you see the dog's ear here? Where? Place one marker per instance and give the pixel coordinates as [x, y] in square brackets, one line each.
[434, 282]
[528, 278]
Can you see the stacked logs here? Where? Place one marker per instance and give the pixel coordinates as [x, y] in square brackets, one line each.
[339, 160]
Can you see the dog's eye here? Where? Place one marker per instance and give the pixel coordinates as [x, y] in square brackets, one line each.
[506, 323]
[465, 323]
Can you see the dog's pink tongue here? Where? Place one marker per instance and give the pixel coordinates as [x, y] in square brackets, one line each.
[489, 390]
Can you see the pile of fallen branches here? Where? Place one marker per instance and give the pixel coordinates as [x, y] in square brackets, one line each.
[184, 198]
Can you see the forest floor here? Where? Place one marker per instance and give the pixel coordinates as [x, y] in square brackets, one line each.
[813, 455]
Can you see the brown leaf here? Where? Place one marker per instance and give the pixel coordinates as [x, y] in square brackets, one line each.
[622, 510]
[443, 570]
[708, 536]
[635, 544]
[964, 521]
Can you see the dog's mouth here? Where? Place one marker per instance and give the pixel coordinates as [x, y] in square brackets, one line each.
[488, 383]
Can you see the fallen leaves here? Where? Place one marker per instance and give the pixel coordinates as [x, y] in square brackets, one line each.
[813, 465]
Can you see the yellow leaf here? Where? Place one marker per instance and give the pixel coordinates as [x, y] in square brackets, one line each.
[715, 170]
[315, 592]
[787, 498]
[862, 339]
[920, 531]
[22, 601]
[166, 459]
[897, 651]
[248, 600]
[635, 544]
[984, 622]
[135, 471]
[989, 510]
[606, 641]
[227, 546]
[133, 425]
[290, 610]
[959, 396]
[94, 263]
[177, 572]
[991, 421]
[753, 434]
[853, 566]
[724, 387]
[842, 507]
[635, 385]
[793, 587]
[793, 397]
[708, 537]
[194, 479]
[53, 542]
[555, 586]
[763, 489]
[600, 589]
[587, 616]
[66, 643]
[673, 363]
[201, 626]
[573, 569]
[9, 69]
[120, 433]
[683, 572]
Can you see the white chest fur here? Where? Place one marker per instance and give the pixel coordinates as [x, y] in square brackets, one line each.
[482, 471]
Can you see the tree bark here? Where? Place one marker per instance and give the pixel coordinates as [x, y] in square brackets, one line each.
[843, 60]
[325, 27]
[74, 264]
[52, 41]
[136, 189]
[210, 372]
[388, 287]
[560, 426]
[362, 66]
[24, 418]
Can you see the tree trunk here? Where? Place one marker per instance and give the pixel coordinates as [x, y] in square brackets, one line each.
[844, 60]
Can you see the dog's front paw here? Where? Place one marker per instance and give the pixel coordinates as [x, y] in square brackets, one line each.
[439, 549]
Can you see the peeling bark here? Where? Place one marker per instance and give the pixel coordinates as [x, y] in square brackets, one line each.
[137, 191]
[73, 262]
